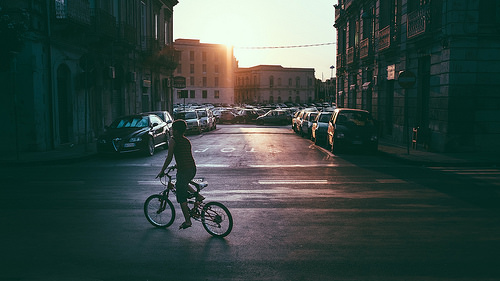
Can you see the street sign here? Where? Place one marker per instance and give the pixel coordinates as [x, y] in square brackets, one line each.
[179, 82]
[407, 79]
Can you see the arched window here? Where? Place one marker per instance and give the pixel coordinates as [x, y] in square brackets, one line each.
[271, 81]
[297, 82]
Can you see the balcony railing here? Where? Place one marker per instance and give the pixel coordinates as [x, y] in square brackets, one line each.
[364, 48]
[76, 10]
[350, 55]
[418, 21]
[384, 38]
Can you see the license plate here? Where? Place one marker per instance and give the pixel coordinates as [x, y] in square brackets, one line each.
[127, 145]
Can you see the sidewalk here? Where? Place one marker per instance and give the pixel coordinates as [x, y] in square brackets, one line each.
[75, 153]
[422, 157]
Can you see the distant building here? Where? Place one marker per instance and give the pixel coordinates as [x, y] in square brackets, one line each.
[274, 84]
[452, 47]
[209, 71]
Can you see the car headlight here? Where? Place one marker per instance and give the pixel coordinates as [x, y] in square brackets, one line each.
[135, 139]
[340, 136]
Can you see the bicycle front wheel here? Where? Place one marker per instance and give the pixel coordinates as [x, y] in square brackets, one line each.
[159, 211]
[217, 219]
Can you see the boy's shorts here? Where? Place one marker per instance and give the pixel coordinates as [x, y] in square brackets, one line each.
[181, 185]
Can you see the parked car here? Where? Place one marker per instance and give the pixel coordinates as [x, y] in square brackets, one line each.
[192, 120]
[320, 128]
[294, 120]
[141, 132]
[166, 117]
[246, 116]
[226, 116]
[307, 123]
[300, 116]
[207, 119]
[275, 116]
[349, 128]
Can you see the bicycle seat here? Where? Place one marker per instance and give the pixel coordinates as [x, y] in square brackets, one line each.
[199, 186]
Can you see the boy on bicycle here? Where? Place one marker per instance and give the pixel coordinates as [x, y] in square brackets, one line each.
[180, 147]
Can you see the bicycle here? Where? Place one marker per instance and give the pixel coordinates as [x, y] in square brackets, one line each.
[160, 211]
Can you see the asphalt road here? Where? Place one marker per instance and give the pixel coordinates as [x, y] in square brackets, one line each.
[300, 213]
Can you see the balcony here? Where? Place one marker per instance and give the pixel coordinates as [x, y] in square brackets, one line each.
[105, 23]
[128, 33]
[364, 48]
[350, 55]
[418, 22]
[384, 38]
[340, 61]
[77, 11]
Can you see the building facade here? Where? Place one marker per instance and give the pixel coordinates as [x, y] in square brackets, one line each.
[451, 48]
[80, 64]
[265, 84]
[209, 71]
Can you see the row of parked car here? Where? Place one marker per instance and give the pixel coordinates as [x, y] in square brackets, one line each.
[338, 128]
[149, 131]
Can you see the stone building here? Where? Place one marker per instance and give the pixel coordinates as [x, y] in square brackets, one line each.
[78, 65]
[274, 84]
[209, 71]
[452, 48]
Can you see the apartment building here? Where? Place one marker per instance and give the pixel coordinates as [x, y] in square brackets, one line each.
[77, 65]
[209, 71]
[451, 48]
[264, 84]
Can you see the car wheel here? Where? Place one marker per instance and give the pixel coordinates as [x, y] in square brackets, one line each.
[150, 149]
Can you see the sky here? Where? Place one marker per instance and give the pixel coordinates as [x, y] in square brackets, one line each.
[246, 24]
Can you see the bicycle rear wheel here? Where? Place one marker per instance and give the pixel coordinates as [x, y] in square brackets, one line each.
[216, 219]
[159, 211]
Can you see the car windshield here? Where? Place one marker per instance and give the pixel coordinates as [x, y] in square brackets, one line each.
[186, 115]
[130, 122]
[324, 117]
[360, 119]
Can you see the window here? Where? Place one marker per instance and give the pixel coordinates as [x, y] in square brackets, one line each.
[216, 94]
[166, 35]
[192, 94]
[216, 82]
[191, 55]
[204, 56]
[191, 68]
[204, 68]
[290, 83]
[297, 82]
[156, 26]
[204, 94]
[271, 81]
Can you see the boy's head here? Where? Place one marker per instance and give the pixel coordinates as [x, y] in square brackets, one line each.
[180, 126]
